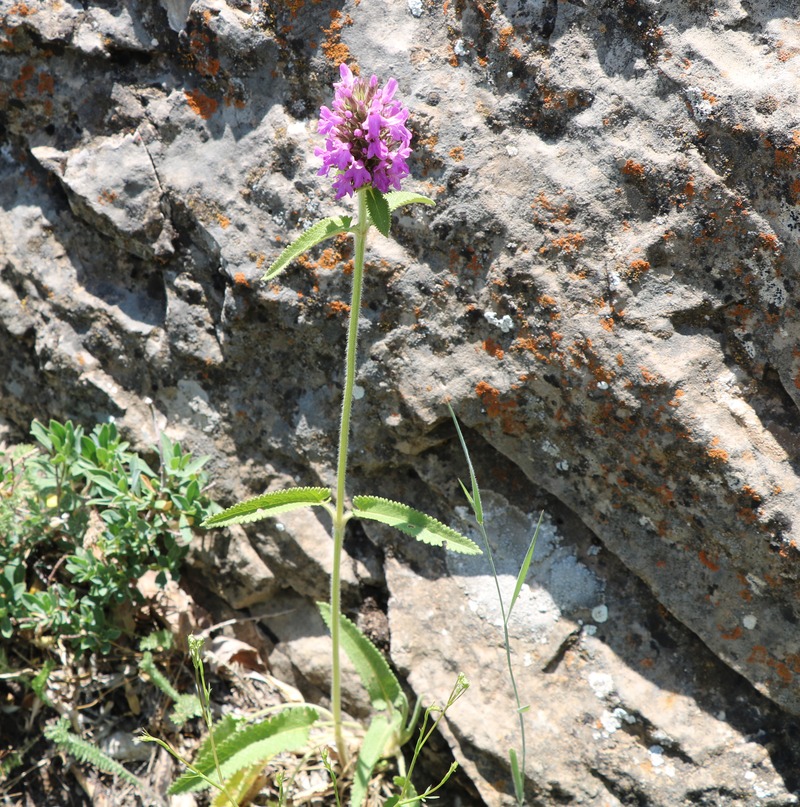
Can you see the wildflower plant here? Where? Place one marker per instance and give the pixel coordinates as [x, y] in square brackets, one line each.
[366, 147]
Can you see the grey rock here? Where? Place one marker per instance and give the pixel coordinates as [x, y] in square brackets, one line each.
[605, 292]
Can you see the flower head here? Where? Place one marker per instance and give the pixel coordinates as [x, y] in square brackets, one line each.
[366, 139]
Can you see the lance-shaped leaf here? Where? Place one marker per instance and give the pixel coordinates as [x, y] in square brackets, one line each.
[383, 688]
[412, 522]
[321, 231]
[379, 737]
[268, 505]
[256, 743]
[523, 570]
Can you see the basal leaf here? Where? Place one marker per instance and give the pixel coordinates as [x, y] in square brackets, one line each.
[397, 199]
[268, 505]
[287, 731]
[412, 522]
[239, 748]
[204, 759]
[378, 737]
[383, 688]
[321, 231]
[378, 209]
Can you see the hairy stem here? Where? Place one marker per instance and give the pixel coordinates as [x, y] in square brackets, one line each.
[339, 521]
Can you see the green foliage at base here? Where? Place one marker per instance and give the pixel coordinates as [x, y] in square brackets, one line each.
[240, 746]
[82, 518]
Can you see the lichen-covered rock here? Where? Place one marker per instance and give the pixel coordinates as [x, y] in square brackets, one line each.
[605, 293]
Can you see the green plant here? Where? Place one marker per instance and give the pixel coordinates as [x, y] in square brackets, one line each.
[85, 751]
[186, 706]
[366, 147]
[235, 750]
[83, 518]
[517, 762]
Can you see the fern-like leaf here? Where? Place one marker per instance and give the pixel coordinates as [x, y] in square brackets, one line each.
[383, 688]
[268, 505]
[321, 231]
[255, 743]
[412, 522]
[85, 751]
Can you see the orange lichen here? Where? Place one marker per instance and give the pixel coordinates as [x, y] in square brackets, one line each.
[200, 104]
[25, 75]
[46, 84]
[493, 349]
[568, 244]
[731, 635]
[633, 169]
[716, 453]
[649, 378]
[22, 10]
[769, 241]
[240, 279]
[457, 154]
[333, 48]
[505, 34]
[679, 393]
[532, 345]
[496, 408]
[637, 268]
[223, 221]
[707, 561]
[336, 307]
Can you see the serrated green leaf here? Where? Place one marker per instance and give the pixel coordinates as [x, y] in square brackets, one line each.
[397, 199]
[316, 234]
[383, 688]
[378, 736]
[378, 209]
[204, 759]
[268, 505]
[412, 522]
[256, 743]
[523, 570]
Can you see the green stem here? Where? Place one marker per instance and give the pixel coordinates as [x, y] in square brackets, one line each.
[507, 641]
[340, 519]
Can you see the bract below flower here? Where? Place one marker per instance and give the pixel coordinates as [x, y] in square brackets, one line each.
[366, 139]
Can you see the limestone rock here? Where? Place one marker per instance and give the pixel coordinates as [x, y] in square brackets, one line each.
[605, 293]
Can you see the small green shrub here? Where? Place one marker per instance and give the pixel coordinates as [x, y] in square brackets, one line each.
[82, 518]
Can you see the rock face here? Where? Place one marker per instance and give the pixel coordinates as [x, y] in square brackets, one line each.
[605, 292]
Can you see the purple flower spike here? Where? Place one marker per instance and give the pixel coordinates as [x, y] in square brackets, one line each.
[366, 139]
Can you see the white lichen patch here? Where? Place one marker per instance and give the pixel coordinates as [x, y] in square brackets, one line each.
[558, 584]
